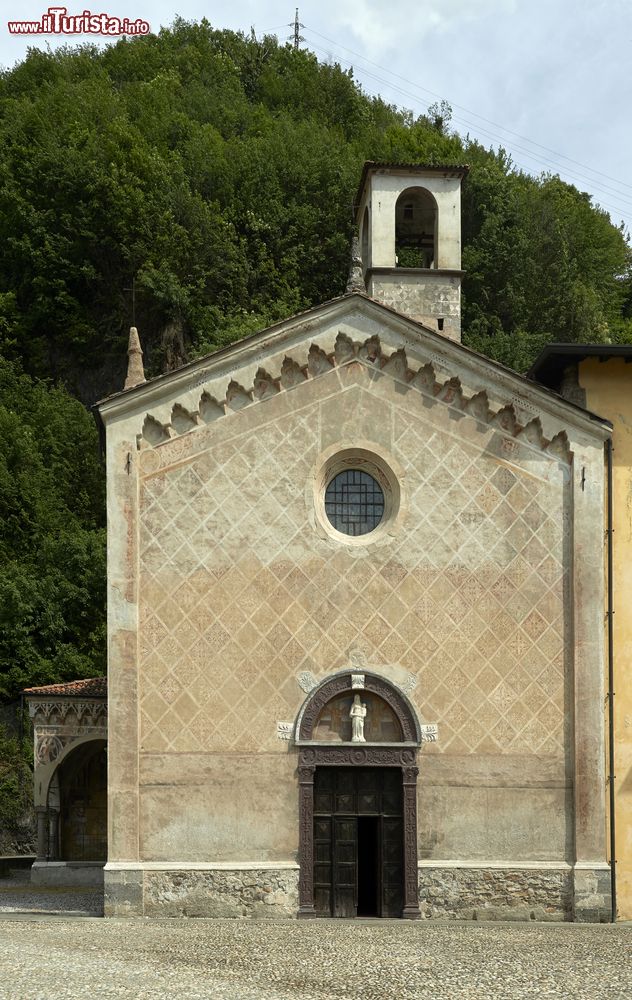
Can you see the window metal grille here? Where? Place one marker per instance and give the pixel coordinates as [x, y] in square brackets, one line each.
[354, 502]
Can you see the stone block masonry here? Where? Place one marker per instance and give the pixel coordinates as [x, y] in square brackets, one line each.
[592, 902]
[422, 295]
[265, 893]
[221, 894]
[453, 893]
[495, 893]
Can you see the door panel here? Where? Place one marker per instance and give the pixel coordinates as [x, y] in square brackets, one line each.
[322, 864]
[392, 866]
[344, 801]
[345, 866]
[344, 796]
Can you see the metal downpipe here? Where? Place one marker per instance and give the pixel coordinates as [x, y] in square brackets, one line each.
[610, 616]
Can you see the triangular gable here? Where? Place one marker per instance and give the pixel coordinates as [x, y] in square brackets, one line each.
[349, 330]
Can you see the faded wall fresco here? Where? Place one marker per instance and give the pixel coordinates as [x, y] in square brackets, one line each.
[239, 591]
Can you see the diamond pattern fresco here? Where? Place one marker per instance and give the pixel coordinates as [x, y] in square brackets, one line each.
[239, 593]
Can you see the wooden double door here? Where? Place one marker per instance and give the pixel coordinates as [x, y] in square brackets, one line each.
[358, 842]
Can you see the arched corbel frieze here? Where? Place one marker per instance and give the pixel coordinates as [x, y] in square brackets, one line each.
[294, 371]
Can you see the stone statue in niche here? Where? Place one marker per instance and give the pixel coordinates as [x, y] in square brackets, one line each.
[335, 721]
[358, 715]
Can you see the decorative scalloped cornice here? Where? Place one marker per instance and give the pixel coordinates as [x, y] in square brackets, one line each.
[346, 351]
[93, 708]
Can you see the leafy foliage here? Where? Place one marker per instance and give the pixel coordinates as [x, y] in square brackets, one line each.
[16, 784]
[216, 172]
[542, 265]
[52, 537]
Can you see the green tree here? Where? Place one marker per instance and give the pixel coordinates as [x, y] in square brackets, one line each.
[52, 537]
[216, 173]
[16, 793]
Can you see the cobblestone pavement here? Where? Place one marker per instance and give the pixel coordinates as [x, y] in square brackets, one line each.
[315, 960]
[17, 895]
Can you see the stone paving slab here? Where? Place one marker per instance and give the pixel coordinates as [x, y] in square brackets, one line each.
[144, 959]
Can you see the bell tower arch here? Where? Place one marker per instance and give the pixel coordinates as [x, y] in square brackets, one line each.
[410, 219]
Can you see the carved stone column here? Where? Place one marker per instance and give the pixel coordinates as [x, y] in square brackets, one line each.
[306, 840]
[42, 833]
[411, 877]
[54, 835]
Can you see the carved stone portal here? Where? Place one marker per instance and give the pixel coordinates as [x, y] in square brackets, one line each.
[338, 756]
[313, 754]
[399, 724]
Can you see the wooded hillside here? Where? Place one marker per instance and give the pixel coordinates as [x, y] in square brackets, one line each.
[214, 174]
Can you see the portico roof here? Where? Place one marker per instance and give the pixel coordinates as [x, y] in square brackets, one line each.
[91, 687]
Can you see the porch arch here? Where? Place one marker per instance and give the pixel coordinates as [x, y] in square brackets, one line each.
[44, 772]
[68, 790]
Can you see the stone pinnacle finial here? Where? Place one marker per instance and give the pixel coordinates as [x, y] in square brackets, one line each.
[356, 281]
[135, 370]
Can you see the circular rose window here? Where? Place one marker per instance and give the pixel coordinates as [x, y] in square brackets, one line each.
[356, 496]
[354, 502]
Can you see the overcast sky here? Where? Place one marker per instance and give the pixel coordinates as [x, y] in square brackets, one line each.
[549, 80]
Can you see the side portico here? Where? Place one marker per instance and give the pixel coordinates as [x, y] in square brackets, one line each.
[70, 781]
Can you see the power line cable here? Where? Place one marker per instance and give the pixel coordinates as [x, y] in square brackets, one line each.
[497, 138]
[468, 111]
[626, 212]
[525, 152]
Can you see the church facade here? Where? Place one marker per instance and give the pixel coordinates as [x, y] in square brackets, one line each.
[355, 616]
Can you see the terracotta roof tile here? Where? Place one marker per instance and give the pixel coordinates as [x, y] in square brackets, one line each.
[92, 687]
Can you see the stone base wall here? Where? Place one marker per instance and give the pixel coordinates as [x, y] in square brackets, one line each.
[593, 899]
[495, 894]
[267, 893]
[123, 893]
[444, 893]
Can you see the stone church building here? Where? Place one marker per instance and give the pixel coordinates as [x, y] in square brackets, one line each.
[356, 611]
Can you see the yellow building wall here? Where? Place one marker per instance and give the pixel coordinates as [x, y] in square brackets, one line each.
[608, 387]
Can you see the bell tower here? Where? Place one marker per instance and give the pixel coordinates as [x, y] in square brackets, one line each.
[409, 221]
